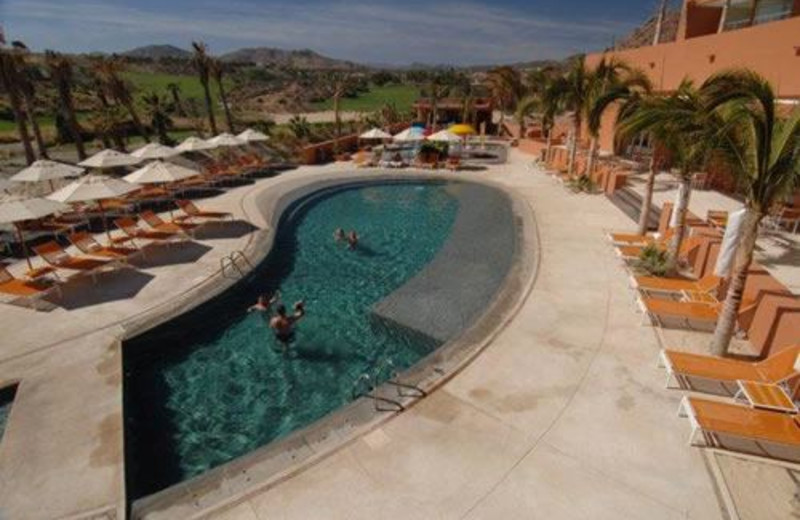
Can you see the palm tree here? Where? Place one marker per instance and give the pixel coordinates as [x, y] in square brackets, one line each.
[683, 125]
[107, 121]
[576, 88]
[28, 74]
[218, 71]
[506, 89]
[762, 151]
[109, 71]
[202, 64]
[175, 91]
[61, 72]
[159, 119]
[438, 89]
[526, 107]
[628, 92]
[300, 127]
[10, 79]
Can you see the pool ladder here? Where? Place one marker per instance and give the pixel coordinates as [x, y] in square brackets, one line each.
[365, 385]
[231, 268]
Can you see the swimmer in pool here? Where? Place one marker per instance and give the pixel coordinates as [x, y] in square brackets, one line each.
[264, 303]
[352, 240]
[339, 235]
[282, 324]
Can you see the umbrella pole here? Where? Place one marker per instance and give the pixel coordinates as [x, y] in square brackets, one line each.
[24, 246]
[103, 219]
[52, 187]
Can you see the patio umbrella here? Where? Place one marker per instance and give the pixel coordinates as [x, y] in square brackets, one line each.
[154, 151]
[252, 136]
[44, 170]
[160, 172]
[444, 136]
[413, 133]
[194, 144]
[462, 130]
[94, 188]
[4, 184]
[226, 139]
[109, 159]
[14, 211]
[375, 133]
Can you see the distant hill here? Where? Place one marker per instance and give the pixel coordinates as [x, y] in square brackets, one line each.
[299, 59]
[156, 52]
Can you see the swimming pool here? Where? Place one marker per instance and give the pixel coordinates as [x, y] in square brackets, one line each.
[213, 385]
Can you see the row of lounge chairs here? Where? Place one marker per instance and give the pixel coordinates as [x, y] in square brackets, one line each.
[97, 257]
[753, 408]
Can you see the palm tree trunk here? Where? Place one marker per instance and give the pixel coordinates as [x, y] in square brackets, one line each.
[224, 98]
[337, 123]
[647, 200]
[726, 325]
[680, 230]
[22, 127]
[140, 128]
[592, 157]
[37, 132]
[573, 151]
[72, 121]
[434, 110]
[210, 108]
[549, 146]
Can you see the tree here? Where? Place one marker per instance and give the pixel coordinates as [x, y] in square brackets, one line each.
[506, 89]
[175, 91]
[202, 64]
[159, 118]
[109, 72]
[218, 71]
[107, 121]
[28, 75]
[10, 79]
[300, 127]
[61, 73]
[438, 88]
[576, 88]
[683, 125]
[762, 151]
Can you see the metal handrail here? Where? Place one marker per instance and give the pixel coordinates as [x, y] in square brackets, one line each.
[230, 260]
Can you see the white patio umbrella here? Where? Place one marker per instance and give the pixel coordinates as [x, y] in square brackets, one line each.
[194, 144]
[14, 211]
[226, 139]
[444, 136]
[4, 184]
[375, 133]
[160, 172]
[154, 151]
[252, 136]
[94, 188]
[410, 134]
[109, 159]
[45, 170]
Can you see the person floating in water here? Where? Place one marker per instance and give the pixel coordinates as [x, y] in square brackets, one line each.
[282, 324]
[352, 240]
[264, 303]
[339, 235]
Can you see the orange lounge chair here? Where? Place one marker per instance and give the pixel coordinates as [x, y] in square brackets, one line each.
[27, 291]
[632, 239]
[132, 231]
[192, 211]
[628, 253]
[653, 284]
[683, 367]
[688, 312]
[772, 434]
[54, 254]
[87, 244]
[159, 224]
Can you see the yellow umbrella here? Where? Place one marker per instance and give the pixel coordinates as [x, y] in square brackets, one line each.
[462, 130]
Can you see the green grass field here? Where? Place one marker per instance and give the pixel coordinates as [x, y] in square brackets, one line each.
[190, 86]
[403, 96]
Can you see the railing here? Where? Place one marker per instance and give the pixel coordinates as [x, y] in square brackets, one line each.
[228, 263]
[366, 383]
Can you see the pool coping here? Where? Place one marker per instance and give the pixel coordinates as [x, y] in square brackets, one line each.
[231, 483]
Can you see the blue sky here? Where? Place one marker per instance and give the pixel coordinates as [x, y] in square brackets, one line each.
[377, 31]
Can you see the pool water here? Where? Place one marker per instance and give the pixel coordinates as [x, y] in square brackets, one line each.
[214, 385]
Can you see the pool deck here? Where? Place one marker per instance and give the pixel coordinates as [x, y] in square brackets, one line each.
[564, 415]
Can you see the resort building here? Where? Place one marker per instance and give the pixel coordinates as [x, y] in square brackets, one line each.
[456, 110]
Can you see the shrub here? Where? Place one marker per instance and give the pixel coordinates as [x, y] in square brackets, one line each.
[653, 261]
[582, 184]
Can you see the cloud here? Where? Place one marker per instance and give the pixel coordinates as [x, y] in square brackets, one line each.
[449, 31]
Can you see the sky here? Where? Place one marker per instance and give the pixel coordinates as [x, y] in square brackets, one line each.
[377, 32]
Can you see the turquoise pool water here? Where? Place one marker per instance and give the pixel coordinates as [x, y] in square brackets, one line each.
[213, 385]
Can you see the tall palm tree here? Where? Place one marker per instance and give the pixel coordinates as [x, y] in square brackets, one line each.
[109, 71]
[506, 89]
[218, 72]
[28, 74]
[202, 64]
[628, 93]
[62, 74]
[159, 119]
[526, 107]
[174, 90]
[682, 124]
[762, 151]
[551, 95]
[577, 87]
[11, 79]
[438, 88]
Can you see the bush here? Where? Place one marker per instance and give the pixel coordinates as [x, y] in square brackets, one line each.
[653, 261]
[582, 184]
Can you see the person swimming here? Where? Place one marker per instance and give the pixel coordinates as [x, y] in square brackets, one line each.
[339, 235]
[264, 303]
[283, 323]
[352, 240]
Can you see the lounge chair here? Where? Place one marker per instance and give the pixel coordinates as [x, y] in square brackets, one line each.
[159, 224]
[628, 253]
[653, 284]
[741, 428]
[192, 211]
[132, 231]
[27, 291]
[656, 310]
[685, 367]
[87, 244]
[52, 253]
[632, 239]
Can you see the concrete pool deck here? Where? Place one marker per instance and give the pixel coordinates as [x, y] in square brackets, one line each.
[564, 415]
